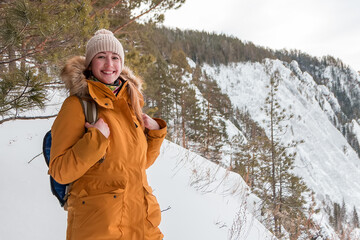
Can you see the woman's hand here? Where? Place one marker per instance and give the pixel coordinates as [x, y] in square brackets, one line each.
[101, 125]
[150, 123]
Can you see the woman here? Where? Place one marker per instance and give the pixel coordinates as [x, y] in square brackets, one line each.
[106, 161]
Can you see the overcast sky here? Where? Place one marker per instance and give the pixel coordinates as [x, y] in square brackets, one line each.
[317, 27]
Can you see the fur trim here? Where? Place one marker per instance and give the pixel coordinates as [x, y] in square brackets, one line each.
[128, 75]
[75, 81]
[73, 76]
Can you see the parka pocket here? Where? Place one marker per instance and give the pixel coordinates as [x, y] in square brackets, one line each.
[98, 216]
[153, 208]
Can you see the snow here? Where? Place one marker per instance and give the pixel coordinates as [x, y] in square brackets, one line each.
[328, 164]
[356, 129]
[200, 199]
[204, 200]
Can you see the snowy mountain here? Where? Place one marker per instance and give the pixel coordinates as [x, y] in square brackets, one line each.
[326, 161]
[200, 199]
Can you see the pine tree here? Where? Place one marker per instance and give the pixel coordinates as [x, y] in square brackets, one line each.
[355, 219]
[247, 160]
[343, 214]
[336, 223]
[212, 128]
[36, 37]
[285, 198]
[157, 93]
[214, 134]
[192, 117]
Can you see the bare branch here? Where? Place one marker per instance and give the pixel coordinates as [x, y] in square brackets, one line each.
[93, 2]
[133, 19]
[108, 7]
[34, 158]
[26, 118]
[168, 208]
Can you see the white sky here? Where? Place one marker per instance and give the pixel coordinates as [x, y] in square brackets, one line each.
[317, 27]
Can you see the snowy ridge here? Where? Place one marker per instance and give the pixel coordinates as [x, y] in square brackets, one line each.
[224, 198]
[328, 164]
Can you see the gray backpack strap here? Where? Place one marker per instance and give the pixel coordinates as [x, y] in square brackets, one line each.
[90, 110]
[67, 194]
[91, 116]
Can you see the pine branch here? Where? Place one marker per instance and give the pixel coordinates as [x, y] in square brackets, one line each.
[108, 7]
[9, 44]
[5, 110]
[26, 118]
[39, 48]
[21, 94]
[133, 19]
[44, 45]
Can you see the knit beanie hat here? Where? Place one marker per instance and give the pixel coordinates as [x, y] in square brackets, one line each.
[103, 40]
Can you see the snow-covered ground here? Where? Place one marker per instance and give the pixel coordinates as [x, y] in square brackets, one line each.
[202, 200]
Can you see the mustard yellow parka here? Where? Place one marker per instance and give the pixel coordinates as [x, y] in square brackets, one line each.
[110, 197]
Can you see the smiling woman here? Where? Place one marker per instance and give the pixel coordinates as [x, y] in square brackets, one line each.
[106, 67]
[106, 161]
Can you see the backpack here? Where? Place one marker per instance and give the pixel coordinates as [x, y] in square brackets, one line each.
[61, 190]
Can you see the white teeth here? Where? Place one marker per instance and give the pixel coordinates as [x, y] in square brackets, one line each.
[107, 72]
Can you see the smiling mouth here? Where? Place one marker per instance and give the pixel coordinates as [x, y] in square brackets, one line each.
[108, 72]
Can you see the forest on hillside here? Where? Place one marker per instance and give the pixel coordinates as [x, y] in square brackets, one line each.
[37, 37]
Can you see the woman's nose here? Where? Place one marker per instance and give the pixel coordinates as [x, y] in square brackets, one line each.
[108, 62]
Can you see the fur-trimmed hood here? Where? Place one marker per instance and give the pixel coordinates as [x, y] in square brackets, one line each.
[75, 81]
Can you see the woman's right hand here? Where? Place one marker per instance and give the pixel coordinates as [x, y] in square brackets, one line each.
[101, 125]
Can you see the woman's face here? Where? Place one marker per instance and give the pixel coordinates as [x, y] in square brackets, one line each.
[106, 67]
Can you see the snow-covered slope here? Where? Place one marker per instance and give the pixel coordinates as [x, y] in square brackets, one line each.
[326, 161]
[203, 200]
[200, 199]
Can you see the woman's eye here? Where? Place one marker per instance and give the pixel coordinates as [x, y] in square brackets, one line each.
[115, 58]
[100, 56]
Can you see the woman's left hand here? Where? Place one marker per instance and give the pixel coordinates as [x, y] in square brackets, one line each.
[150, 123]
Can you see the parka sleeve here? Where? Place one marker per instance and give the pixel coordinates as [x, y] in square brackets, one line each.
[73, 151]
[154, 141]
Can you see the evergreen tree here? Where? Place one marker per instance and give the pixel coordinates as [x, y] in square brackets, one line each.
[37, 36]
[343, 214]
[248, 158]
[178, 69]
[192, 117]
[214, 131]
[158, 91]
[34, 36]
[355, 219]
[336, 218]
[285, 198]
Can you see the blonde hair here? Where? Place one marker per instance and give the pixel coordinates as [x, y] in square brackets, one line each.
[134, 93]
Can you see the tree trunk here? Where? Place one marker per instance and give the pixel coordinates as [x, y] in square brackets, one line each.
[12, 64]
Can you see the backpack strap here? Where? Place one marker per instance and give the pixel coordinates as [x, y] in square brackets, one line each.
[91, 116]
[90, 110]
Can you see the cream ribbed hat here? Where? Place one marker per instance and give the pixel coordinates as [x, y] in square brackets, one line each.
[103, 40]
